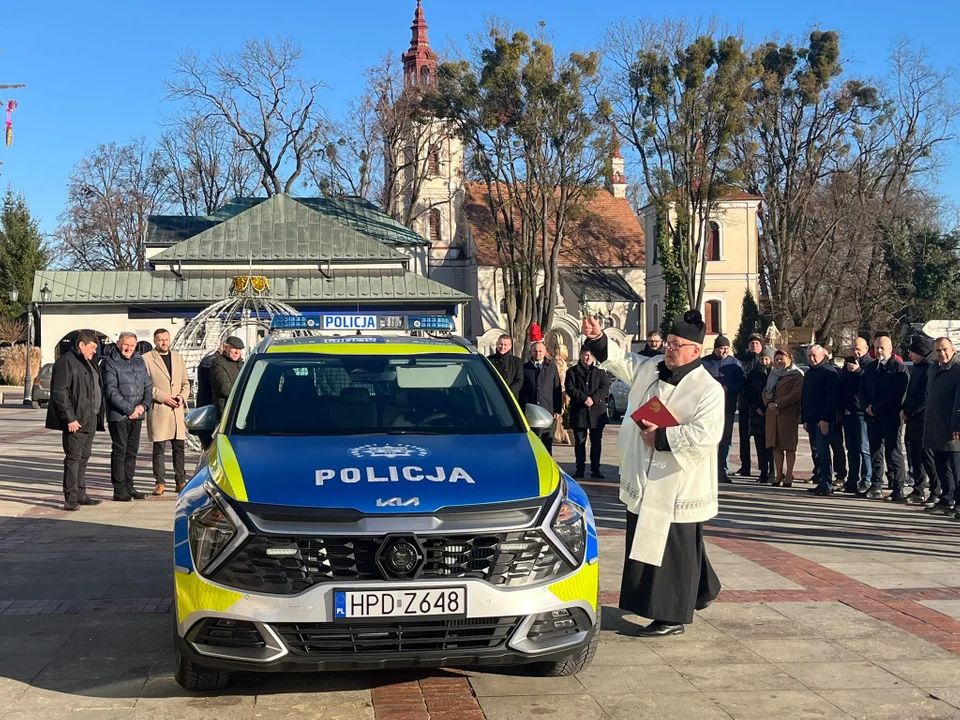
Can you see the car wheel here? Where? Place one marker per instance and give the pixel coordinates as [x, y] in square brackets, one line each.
[611, 408]
[199, 679]
[35, 404]
[575, 663]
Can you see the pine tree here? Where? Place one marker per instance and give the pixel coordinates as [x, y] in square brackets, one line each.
[22, 252]
[751, 321]
[675, 302]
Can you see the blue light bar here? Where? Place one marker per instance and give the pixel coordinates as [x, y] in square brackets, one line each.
[364, 322]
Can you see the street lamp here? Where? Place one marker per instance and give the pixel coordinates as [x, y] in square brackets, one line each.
[610, 305]
[14, 295]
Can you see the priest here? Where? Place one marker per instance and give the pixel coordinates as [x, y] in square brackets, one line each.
[668, 475]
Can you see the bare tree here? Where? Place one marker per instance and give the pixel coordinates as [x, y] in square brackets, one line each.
[207, 165]
[258, 93]
[111, 193]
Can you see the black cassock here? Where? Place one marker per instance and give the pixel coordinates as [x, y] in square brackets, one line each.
[684, 582]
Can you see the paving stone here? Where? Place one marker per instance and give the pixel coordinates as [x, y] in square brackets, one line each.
[891, 704]
[521, 707]
[949, 695]
[799, 650]
[738, 676]
[780, 704]
[841, 675]
[494, 685]
[670, 706]
[944, 672]
[950, 608]
[725, 650]
[633, 680]
[893, 646]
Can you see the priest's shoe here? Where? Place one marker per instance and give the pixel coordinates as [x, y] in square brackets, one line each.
[659, 629]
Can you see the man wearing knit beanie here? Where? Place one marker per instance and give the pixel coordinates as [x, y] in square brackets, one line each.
[727, 371]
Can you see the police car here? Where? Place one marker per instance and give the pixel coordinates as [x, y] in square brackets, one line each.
[379, 502]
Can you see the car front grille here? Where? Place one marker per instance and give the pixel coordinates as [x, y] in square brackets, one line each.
[387, 637]
[291, 565]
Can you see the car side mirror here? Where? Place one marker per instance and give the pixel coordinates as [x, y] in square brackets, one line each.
[538, 417]
[201, 419]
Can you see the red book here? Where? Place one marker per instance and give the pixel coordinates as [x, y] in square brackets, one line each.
[654, 412]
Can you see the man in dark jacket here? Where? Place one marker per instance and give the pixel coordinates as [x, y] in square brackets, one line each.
[882, 389]
[748, 362]
[821, 388]
[508, 364]
[224, 372]
[922, 464]
[128, 391]
[854, 424]
[76, 410]
[204, 391]
[654, 345]
[541, 386]
[727, 371]
[941, 428]
[588, 387]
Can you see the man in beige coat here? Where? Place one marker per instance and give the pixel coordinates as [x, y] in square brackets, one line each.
[165, 421]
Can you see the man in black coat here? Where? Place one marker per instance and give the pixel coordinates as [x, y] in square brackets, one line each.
[941, 427]
[541, 386]
[205, 391]
[882, 389]
[76, 410]
[224, 372]
[818, 406]
[922, 464]
[745, 421]
[854, 425]
[128, 391]
[755, 411]
[588, 387]
[654, 345]
[508, 364]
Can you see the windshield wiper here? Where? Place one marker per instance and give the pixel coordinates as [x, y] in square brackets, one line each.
[414, 431]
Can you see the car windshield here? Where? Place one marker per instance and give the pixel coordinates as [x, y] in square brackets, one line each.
[359, 395]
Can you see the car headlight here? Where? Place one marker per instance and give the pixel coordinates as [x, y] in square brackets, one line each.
[570, 528]
[213, 529]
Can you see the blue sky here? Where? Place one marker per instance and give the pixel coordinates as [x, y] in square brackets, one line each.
[94, 70]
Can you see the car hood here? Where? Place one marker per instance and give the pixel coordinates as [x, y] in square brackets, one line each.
[387, 474]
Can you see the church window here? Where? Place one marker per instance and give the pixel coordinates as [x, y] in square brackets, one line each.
[656, 243]
[713, 242]
[656, 315]
[712, 317]
[435, 226]
[425, 76]
[433, 160]
[503, 306]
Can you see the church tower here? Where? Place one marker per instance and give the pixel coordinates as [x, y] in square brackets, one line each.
[434, 160]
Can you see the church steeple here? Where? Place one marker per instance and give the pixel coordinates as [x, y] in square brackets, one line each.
[420, 61]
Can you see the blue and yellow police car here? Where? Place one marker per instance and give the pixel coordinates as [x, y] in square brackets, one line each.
[379, 501]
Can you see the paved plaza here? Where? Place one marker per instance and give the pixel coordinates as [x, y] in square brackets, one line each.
[832, 608]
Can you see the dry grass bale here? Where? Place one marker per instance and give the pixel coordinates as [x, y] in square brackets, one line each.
[13, 363]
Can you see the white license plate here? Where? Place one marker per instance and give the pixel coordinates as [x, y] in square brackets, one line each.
[428, 602]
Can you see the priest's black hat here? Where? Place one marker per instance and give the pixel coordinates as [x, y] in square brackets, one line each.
[689, 326]
[922, 345]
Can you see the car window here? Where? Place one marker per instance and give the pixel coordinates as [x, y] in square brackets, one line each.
[355, 395]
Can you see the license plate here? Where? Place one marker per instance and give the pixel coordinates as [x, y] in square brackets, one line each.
[428, 602]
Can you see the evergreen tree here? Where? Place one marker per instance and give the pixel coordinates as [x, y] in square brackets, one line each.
[21, 252]
[751, 321]
[675, 302]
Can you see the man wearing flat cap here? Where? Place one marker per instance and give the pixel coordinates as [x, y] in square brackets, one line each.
[668, 475]
[922, 464]
[224, 372]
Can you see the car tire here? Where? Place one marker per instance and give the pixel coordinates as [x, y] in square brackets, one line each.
[611, 409]
[575, 663]
[197, 678]
[35, 404]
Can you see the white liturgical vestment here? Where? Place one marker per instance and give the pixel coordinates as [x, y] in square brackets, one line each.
[666, 487]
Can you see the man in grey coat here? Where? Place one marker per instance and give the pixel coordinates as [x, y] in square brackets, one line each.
[128, 392]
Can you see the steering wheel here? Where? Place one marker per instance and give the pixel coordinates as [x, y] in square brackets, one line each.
[442, 416]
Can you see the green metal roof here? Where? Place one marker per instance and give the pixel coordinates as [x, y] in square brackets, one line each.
[280, 229]
[353, 212]
[208, 286]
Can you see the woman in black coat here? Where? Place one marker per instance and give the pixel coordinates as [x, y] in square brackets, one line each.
[588, 387]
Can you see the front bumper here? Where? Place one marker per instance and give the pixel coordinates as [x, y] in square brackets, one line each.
[503, 627]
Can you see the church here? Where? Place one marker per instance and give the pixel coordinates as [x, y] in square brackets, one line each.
[346, 255]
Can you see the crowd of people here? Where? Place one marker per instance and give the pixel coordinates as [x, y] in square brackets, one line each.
[119, 390]
[867, 417]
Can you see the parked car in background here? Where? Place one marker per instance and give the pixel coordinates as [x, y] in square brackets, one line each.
[617, 402]
[40, 392]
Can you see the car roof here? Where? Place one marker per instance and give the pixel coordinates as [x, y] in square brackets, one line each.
[367, 345]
